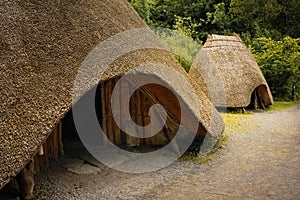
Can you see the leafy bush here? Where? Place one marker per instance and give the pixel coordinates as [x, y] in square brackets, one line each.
[280, 64]
[183, 47]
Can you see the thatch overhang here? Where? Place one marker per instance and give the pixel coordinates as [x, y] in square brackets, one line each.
[228, 73]
[43, 44]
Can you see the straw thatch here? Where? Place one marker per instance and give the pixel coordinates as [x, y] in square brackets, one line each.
[43, 44]
[230, 74]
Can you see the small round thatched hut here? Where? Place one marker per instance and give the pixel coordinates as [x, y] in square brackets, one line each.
[230, 74]
[43, 45]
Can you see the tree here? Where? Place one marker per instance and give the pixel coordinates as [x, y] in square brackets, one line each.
[280, 63]
[288, 20]
[180, 44]
[166, 13]
[220, 19]
[264, 25]
[266, 18]
[143, 8]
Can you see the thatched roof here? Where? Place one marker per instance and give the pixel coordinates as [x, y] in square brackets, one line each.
[43, 44]
[226, 68]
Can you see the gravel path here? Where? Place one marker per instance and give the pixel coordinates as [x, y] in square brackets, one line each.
[261, 160]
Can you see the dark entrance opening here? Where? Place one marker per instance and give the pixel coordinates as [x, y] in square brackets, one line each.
[71, 141]
[73, 146]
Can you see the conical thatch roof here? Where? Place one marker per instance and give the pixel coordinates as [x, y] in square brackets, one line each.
[228, 71]
[43, 44]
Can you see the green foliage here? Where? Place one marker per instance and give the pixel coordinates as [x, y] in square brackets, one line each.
[184, 63]
[182, 46]
[191, 15]
[222, 141]
[194, 154]
[143, 8]
[185, 26]
[264, 25]
[280, 63]
[197, 159]
[283, 105]
[266, 18]
[220, 19]
[206, 145]
[290, 18]
[257, 18]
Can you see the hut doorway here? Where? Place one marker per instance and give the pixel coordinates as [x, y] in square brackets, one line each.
[257, 99]
[64, 140]
[72, 144]
[140, 103]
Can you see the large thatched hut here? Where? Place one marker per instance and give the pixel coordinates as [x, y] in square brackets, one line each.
[43, 45]
[230, 74]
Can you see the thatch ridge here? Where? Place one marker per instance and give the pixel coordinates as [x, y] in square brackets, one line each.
[229, 68]
[43, 44]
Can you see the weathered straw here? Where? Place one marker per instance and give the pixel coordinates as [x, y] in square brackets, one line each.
[42, 47]
[228, 71]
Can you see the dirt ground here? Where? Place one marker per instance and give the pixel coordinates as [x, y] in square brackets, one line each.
[261, 160]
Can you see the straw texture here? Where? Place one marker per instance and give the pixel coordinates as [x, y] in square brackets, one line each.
[43, 44]
[229, 73]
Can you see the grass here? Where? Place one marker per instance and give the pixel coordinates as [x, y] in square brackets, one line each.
[283, 105]
[193, 153]
[236, 121]
[197, 159]
[221, 141]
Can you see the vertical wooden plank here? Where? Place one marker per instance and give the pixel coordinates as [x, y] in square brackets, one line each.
[50, 148]
[116, 109]
[124, 91]
[130, 140]
[132, 107]
[139, 113]
[47, 156]
[55, 143]
[145, 115]
[36, 163]
[103, 109]
[135, 141]
[60, 142]
[26, 180]
[260, 100]
[125, 95]
[108, 109]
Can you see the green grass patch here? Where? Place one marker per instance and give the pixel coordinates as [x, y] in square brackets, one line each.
[221, 141]
[283, 105]
[211, 144]
[197, 159]
[239, 111]
[237, 121]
